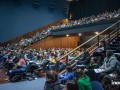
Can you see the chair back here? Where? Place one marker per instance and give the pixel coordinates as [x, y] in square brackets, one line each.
[96, 85]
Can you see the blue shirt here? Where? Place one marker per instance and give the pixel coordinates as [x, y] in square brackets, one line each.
[67, 76]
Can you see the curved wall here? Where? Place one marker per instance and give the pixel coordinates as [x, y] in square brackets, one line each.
[18, 17]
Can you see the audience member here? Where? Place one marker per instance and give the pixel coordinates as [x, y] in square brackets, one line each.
[108, 67]
[52, 81]
[83, 80]
[69, 75]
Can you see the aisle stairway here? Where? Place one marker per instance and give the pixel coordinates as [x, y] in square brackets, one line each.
[115, 45]
[111, 38]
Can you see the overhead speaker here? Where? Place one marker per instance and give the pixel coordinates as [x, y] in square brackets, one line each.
[51, 7]
[36, 3]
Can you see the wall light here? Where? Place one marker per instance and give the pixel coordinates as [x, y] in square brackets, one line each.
[66, 20]
[79, 34]
[67, 35]
[96, 33]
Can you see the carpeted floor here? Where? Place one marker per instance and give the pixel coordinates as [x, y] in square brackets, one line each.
[3, 76]
[37, 84]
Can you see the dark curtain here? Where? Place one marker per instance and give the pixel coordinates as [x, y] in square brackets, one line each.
[84, 8]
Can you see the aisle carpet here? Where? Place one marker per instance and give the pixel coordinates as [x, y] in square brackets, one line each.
[37, 84]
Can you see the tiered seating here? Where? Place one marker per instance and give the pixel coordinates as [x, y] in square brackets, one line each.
[114, 38]
[115, 45]
[11, 52]
[86, 20]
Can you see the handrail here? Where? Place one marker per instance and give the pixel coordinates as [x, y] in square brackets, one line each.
[90, 40]
[82, 53]
[112, 36]
[86, 25]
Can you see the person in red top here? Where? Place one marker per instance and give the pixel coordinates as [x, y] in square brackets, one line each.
[20, 67]
[22, 61]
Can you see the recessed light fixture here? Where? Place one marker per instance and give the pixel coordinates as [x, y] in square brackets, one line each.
[79, 34]
[96, 33]
[67, 35]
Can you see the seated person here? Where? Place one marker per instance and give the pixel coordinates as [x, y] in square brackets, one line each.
[100, 51]
[53, 61]
[100, 55]
[83, 80]
[71, 85]
[108, 66]
[116, 74]
[106, 83]
[62, 66]
[3, 60]
[50, 66]
[10, 63]
[52, 81]
[20, 67]
[109, 84]
[84, 59]
[93, 63]
[69, 75]
[109, 62]
[33, 67]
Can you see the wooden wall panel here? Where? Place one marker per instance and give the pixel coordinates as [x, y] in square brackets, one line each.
[57, 42]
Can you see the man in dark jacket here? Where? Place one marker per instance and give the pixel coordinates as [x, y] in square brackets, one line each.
[107, 67]
[109, 62]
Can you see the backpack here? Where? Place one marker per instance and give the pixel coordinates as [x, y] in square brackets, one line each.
[72, 85]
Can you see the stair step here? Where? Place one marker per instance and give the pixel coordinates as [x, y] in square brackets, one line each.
[118, 39]
[115, 42]
[113, 45]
